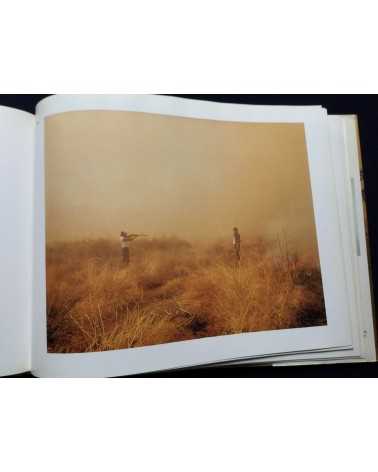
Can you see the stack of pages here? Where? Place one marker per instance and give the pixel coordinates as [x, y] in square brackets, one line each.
[147, 233]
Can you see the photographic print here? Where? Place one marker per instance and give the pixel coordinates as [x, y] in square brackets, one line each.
[162, 229]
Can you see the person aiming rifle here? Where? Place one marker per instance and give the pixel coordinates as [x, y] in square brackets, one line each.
[125, 240]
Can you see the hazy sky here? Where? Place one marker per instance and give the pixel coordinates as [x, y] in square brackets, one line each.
[197, 179]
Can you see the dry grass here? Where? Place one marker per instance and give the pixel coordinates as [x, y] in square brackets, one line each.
[173, 292]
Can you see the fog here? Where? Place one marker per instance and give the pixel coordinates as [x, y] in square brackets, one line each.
[195, 179]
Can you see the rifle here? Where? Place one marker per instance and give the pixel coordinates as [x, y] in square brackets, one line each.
[132, 237]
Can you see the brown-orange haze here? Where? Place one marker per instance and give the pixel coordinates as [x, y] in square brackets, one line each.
[195, 179]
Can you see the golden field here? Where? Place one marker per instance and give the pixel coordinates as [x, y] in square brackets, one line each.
[174, 291]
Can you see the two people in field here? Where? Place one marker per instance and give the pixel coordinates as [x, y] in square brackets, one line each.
[126, 239]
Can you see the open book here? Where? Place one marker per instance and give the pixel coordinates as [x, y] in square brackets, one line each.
[146, 233]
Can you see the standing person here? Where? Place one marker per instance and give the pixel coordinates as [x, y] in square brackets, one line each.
[237, 243]
[125, 248]
[125, 239]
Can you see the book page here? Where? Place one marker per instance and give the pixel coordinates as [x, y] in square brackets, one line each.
[361, 236]
[17, 130]
[176, 233]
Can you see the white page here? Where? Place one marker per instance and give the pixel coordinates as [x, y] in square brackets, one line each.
[361, 265]
[336, 334]
[17, 133]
